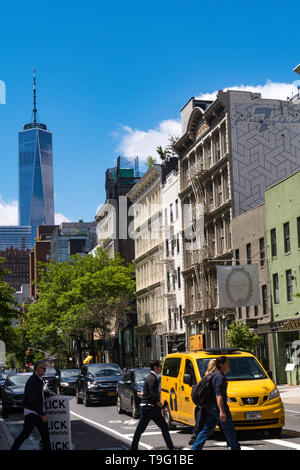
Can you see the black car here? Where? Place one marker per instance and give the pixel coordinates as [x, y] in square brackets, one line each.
[50, 378]
[130, 391]
[66, 381]
[3, 375]
[97, 383]
[13, 392]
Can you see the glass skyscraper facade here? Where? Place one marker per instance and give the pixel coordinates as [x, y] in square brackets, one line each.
[15, 237]
[36, 194]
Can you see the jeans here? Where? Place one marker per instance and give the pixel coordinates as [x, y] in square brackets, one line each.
[154, 413]
[212, 420]
[31, 420]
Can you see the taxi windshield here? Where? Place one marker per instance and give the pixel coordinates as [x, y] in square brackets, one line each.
[241, 368]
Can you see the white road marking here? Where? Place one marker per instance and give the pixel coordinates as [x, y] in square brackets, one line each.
[224, 444]
[291, 411]
[279, 442]
[153, 433]
[112, 431]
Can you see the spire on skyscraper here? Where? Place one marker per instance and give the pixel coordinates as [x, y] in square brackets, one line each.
[34, 99]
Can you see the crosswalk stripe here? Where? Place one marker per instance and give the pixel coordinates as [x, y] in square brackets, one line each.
[279, 442]
[224, 444]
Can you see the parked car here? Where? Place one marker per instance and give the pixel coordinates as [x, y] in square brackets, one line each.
[13, 392]
[3, 375]
[97, 383]
[66, 381]
[50, 379]
[130, 391]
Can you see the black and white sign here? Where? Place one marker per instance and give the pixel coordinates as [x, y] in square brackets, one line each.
[58, 412]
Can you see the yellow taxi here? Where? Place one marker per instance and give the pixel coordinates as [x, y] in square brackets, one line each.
[253, 398]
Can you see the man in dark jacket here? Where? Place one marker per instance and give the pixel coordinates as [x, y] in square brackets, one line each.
[151, 408]
[34, 410]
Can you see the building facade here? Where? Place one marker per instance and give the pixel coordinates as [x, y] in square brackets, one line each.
[72, 238]
[249, 242]
[146, 197]
[230, 151]
[14, 236]
[283, 241]
[17, 262]
[36, 193]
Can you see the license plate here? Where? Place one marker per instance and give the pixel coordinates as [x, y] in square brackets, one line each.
[111, 394]
[253, 415]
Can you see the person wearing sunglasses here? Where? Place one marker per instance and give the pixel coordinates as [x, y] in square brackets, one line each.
[34, 409]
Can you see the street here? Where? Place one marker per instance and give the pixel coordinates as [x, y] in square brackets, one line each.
[102, 428]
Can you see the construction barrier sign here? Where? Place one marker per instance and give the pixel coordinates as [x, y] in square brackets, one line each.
[59, 425]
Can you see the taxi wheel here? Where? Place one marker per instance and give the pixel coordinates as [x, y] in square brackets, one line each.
[78, 399]
[134, 411]
[119, 408]
[168, 418]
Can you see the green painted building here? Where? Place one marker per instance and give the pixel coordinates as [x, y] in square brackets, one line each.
[282, 204]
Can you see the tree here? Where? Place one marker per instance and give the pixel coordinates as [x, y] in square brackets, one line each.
[240, 336]
[150, 162]
[86, 294]
[8, 311]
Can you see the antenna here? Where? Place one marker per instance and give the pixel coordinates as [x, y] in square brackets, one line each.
[34, 99]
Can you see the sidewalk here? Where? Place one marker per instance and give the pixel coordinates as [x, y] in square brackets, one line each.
[289, 393]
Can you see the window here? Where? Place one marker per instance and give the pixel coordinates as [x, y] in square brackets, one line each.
[176, 209]
[189, 369]
[178, 244]
[264, 299]
[171, 367]
[276, 288]
[240, 312]
[168, 281]
[248, 251]
[237, 256]
[298, 230]
[262, 251]
[273, 242]
[167, 248]
[170, 319]
[247, 312]
[255, 310]
[180, 317]
[171, 213]
[289, 285]
[286, 235]
[179, 278]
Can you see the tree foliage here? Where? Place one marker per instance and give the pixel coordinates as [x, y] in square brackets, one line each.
[240, 336]
[7, 309]
[88, 293]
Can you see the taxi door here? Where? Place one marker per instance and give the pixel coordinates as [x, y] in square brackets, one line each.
[187, 407]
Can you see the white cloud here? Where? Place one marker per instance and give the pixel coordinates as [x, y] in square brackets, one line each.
[143, 143]
[271, 90]
[59, 218]
[9, 213]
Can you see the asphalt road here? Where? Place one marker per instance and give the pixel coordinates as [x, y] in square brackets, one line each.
[102, 428]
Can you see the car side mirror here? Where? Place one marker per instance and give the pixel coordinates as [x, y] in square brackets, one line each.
[270, 374]
[187, 379]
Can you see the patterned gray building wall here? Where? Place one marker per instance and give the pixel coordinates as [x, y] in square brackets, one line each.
[264, 144]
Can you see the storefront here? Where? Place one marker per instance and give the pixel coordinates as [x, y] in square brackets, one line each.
[286, 337]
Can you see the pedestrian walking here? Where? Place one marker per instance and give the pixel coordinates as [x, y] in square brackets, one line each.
[201, 415]
[218, 413]
[151, 408]
[34, 409]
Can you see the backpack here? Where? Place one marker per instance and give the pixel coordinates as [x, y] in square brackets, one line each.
[203, 393]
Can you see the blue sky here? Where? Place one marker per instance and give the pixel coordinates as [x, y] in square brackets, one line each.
[112, 78]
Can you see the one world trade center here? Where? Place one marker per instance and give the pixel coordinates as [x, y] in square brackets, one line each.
[36, 194]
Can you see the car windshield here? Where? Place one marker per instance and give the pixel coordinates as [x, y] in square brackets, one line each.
[50, 370]
[241, 368]
[69, 373]
[104, 371]
[17, 380]
[141, 376]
